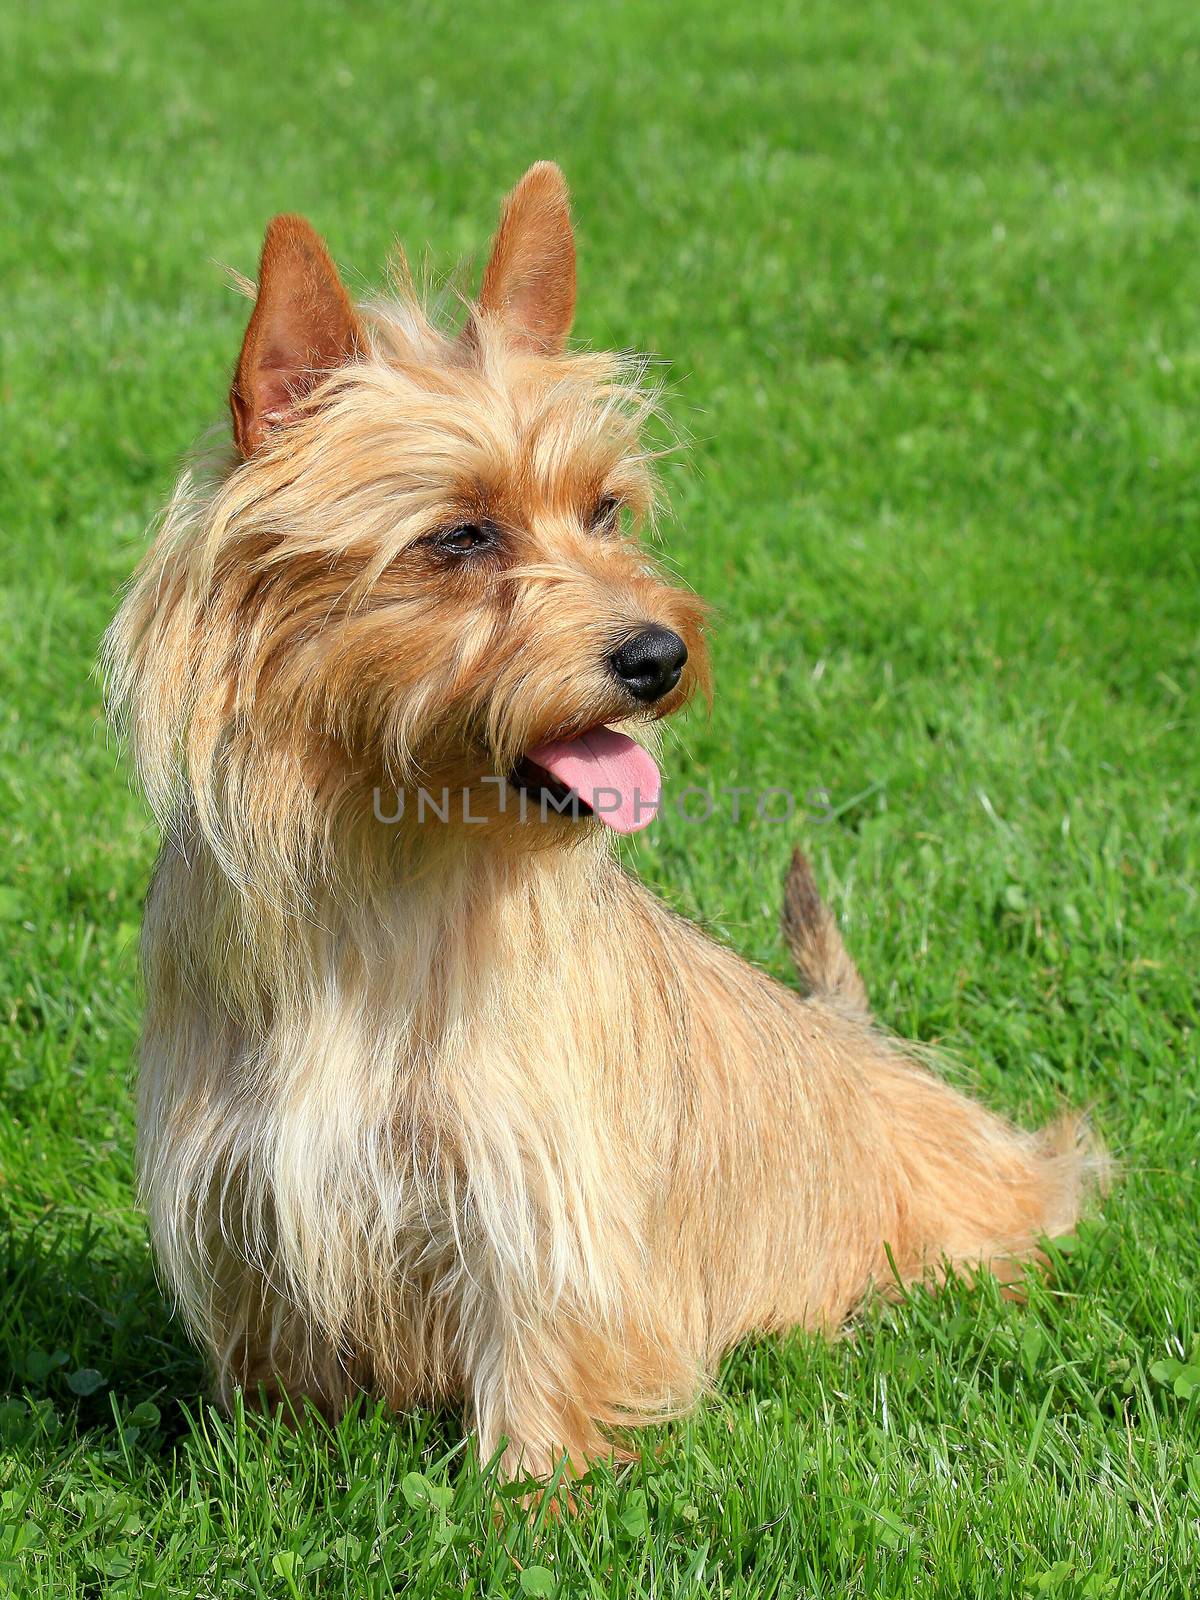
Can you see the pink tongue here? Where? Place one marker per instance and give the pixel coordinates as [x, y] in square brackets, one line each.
[608, 770]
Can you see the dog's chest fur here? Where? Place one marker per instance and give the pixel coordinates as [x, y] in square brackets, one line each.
[428, 1103]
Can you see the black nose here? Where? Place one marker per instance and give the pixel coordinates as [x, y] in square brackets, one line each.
[649, 664]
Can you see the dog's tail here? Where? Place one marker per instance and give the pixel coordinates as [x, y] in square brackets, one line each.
[822, 961]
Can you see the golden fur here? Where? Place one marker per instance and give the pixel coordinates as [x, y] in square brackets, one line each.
[461, 1111]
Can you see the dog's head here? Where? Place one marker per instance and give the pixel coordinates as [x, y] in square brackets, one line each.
[421, 567]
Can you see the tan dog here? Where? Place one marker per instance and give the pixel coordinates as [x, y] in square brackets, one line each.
[452, 1107]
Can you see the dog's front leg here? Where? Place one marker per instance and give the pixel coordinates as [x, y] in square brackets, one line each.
[545, 1374]
[532, 1396]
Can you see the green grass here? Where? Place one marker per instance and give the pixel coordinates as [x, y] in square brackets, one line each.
[929, 275]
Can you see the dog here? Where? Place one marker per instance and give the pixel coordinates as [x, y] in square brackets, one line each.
[436, 1102]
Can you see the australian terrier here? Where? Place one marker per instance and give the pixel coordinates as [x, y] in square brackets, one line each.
[453, 1108]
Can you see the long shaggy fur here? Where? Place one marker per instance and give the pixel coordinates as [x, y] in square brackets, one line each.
[462, 1111]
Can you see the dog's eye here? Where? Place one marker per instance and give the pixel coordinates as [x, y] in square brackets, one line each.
[606, 516]
[467, 538]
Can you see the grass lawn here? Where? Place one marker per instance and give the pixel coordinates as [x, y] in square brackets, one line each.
[929, 278]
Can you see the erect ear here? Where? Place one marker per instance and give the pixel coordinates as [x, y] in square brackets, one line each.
[302, 326]
[529, 281]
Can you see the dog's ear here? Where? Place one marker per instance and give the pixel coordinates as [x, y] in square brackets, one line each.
[302, 327]
[529, 281]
